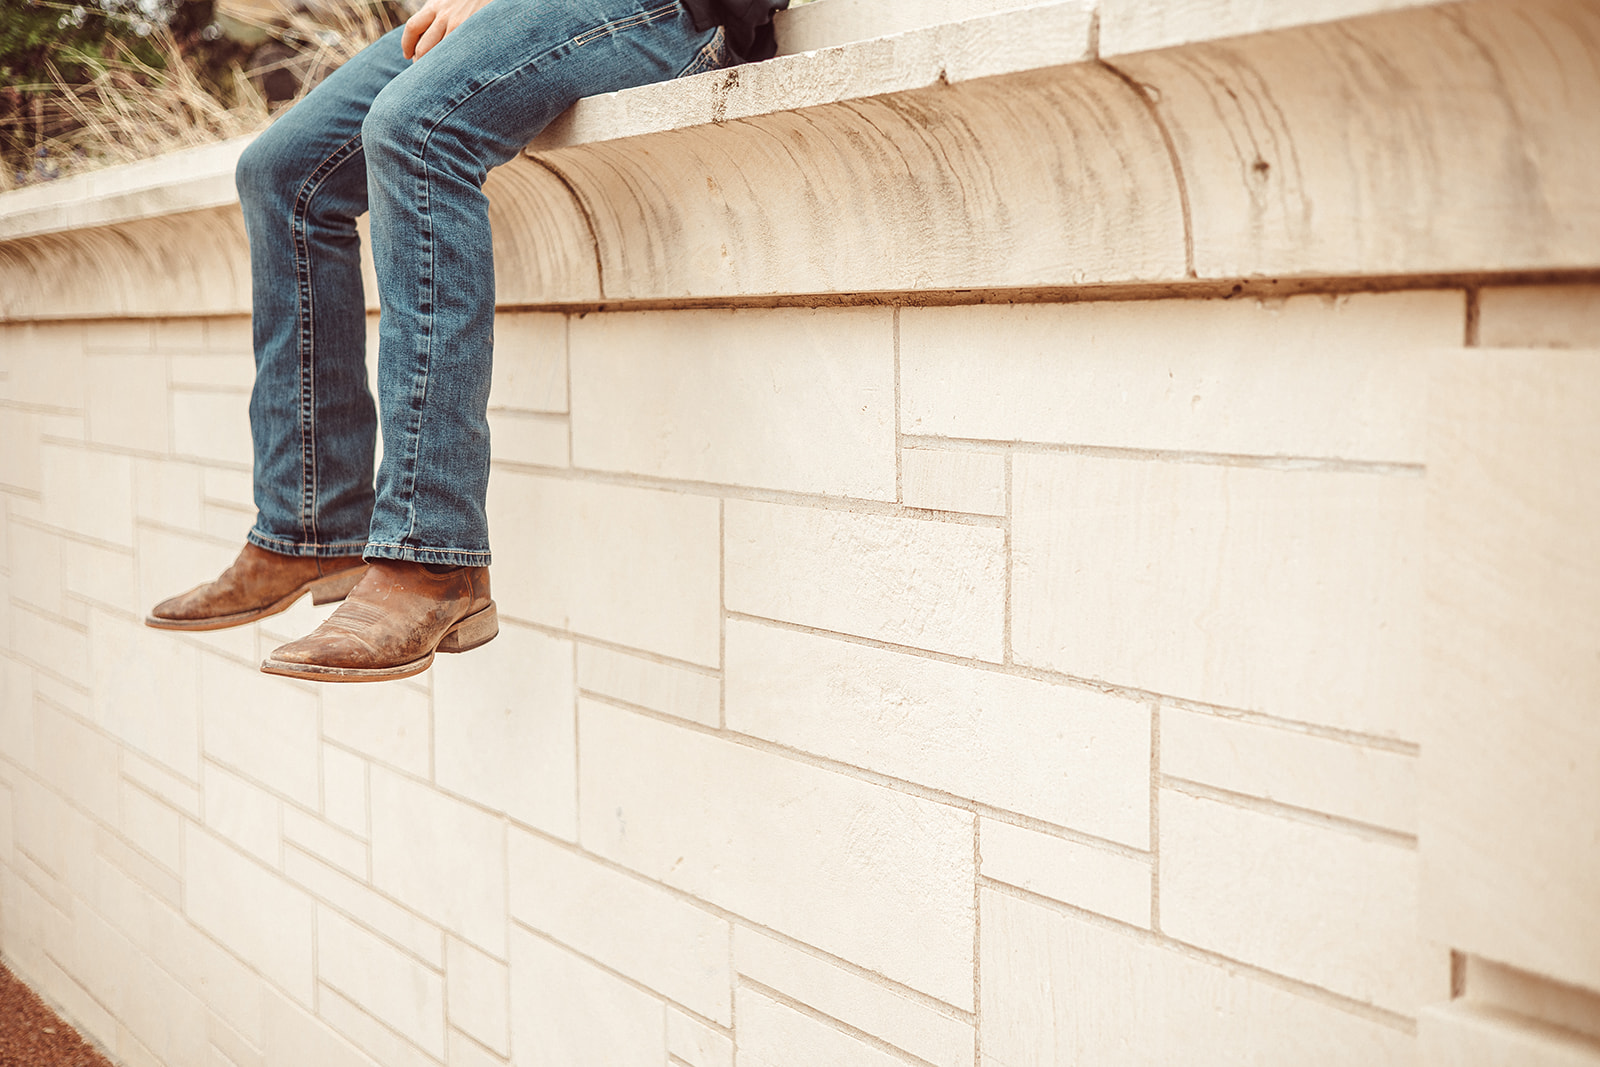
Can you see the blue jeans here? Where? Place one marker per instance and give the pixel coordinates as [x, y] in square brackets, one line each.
[412, 143]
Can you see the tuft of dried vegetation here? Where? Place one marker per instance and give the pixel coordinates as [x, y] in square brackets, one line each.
[147, 96]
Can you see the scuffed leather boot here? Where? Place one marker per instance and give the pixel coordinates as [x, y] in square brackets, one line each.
[392, 623]
[258, 584]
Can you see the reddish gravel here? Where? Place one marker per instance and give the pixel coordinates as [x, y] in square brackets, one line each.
[31, 1035]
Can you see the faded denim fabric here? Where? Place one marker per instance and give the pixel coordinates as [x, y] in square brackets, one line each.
[413, 143]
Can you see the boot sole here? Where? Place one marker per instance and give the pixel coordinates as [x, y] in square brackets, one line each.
[471, 632]
[325, 590]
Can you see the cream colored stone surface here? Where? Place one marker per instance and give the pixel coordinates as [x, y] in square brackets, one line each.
[1318, 904]
[354, 898]
[1294, 593]
[127, 401]
[1060, 989]
[1094, 879]
[1129, 26]
[246, 815]
[530, 362]
[695, 1043]
[254, 913]
[441, 858]
[327, 843]
[795, 399]
[637, 567]
[390, 724]
[212, 427]
[1367, 785]
[874, 876]
[1540, 316]
[1328, 376]
[477, 989]
[532, 440]
[509, 743]
[1497, 987]
[1466, 1036]
[635, 928]
[947, 480]
[776, 1035]
[805, 28]
[907, 581]
[366, 1032]
[295, 1037]
[385, 982]
[664, 687]
[565, 1010]
[263, 727]
[1511, 754]
[87, 492]
[344, 790]
[1067, 756]
[868, 1005]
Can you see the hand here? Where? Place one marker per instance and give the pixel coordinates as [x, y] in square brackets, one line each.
[432, 21]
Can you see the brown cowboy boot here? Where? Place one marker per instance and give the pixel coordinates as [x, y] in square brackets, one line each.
[258, 584]
[392, 623]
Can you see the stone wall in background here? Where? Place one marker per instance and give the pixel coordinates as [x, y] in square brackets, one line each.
[981, 584]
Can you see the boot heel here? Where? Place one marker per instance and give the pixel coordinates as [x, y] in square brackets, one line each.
[336, 586]
[472, 631]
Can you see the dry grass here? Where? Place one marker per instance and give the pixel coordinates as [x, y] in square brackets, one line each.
[131, 110]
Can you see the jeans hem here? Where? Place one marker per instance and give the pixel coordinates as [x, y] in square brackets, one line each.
[285, 547]
[446, 557]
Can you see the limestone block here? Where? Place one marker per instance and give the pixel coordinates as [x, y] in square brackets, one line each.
[1130, 26]
[530, 362]
[100, 575]
[146, 691]
[870, 1006]
[648, 683]
[389, 724]
[59, 647]
[441, 858]
[1059, 989]
[806, 28]
[908, 581]
[233, 372]
[261, 727]
[328, 843]
[477, 988]
[44, 361]
[145, 1001]
[637, 929]
[154, 827]
[254, 913]
[504, 734]
[947, 480]
[182, 793]
[228, 987]
[1325, 376]
[34, 558]
[1460, 137]
[638, 567]
[19, 450]
[1315, 903]
[1466, 1035]
[565, 1010]
[1369, 785]
[1291, 592]
[246, 815]
[222, 486]
[1540, 316]
[382, 980]
[1108, 883]
[462, 1051]
[56, 840]
[87, 492]
[876, 877]
[1506, 989]
[1054, 176]
[775, 1035]
[1064, 755]
[294, 1037]
[1511, 755]
[355, 899]
[800, 399]
[213, 427]
[7, 810]
[344, 790]
[168, 492]
[535, 440]
[695, 1043]
[127, 401]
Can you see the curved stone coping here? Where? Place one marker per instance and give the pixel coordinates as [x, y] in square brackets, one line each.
[999, 152]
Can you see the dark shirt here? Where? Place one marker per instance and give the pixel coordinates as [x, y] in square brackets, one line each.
[747, 23]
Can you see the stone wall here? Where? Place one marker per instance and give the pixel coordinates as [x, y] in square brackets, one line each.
[1064, 537]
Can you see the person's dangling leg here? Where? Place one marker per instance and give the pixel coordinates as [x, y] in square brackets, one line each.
[431, 137]
[301, 184]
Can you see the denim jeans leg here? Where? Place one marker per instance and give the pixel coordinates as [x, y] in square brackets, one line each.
[312, 422]
[430, 139]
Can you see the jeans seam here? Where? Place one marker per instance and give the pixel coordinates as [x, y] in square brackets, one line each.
[259, 535]
[638, 18]
[306, 337]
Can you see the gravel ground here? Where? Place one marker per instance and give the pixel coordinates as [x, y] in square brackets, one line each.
[31, 1035]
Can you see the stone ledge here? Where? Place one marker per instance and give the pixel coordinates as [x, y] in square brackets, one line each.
[1373, 138]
